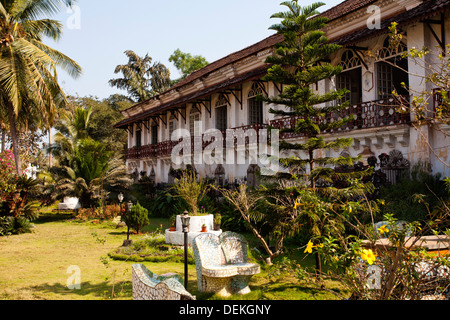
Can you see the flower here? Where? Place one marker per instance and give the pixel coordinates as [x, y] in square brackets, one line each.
[383, 229]
[296, 205]
[309, 247]
[368, 255]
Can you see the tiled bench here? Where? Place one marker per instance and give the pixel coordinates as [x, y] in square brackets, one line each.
[222, 264]
[150, 286]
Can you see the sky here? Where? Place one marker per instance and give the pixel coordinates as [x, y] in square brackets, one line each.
[98, 32]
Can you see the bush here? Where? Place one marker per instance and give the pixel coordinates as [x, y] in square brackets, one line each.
[137, 218]
[400, 199]
[14, 226]
[107, 213]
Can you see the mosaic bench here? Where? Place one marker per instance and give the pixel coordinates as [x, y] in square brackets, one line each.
[150, 286]
[222, 264]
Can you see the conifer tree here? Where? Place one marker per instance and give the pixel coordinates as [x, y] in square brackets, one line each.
[299, 63]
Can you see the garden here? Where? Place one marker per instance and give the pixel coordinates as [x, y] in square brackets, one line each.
[323, 228]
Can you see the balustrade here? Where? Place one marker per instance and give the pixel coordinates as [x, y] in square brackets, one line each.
[374, 114]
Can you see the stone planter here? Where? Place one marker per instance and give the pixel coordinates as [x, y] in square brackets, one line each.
[195, 228]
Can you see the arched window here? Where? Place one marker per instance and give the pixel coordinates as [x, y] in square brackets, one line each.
[350, 78]
[222, 113]
[349, 60]
[391, 70]
[255, 107]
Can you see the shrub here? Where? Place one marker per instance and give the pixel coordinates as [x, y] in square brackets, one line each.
[137, 218]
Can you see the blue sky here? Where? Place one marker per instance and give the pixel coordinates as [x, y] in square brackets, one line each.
[211, 28]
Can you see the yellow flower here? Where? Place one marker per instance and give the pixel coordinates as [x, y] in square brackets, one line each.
[368, 255]
[383, 229]
[309, 247]
[296, 205]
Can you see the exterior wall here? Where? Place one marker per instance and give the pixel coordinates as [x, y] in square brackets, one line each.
[413, 143]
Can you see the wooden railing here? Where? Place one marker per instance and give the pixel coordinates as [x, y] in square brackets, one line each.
[373, 114]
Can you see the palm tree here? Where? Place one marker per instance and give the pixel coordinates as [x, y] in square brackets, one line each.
[28, 67]
[72, 127]
[92, 170]
[141, 79]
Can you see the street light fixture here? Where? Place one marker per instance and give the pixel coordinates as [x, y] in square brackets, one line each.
[120, 196]
[128, 241]
[185, 222]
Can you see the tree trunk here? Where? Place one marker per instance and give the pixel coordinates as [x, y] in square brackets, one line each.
[49, 145]
[3, 140]
[14, 138]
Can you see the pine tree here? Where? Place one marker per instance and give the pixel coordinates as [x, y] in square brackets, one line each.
[300, 62]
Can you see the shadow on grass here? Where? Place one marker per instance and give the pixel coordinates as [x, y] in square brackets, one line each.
[101, 291]
[52, 217]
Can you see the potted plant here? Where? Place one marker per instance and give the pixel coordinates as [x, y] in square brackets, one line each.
[173, 222]
[204, 228]
[217, 221]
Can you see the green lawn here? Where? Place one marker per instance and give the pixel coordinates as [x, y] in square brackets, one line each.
[34, 266]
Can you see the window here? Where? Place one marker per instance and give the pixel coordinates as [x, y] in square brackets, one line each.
[392, 71]
[193, 118]
[154, 131]
[222, 113]
[255, 107]
[350, 78]
[172, 126]
[138, 138]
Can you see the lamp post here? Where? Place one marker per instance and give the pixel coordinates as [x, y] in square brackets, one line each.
[185, 221]
[128, 241]
[120, 196]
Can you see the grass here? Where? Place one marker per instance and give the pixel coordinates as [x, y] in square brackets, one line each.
[34, 266]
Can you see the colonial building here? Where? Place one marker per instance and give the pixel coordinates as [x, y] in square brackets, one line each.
[222, 95]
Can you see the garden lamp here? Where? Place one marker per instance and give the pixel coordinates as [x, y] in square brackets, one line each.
[129, 206]
[120, 196]
[185, 221]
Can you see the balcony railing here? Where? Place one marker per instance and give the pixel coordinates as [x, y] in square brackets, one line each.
[373, 114]
[245, 134]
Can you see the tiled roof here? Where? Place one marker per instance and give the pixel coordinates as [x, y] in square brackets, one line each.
[345, 8]
[241, 54]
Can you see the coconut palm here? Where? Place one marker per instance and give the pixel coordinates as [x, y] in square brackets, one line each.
[28, 67]
[141, 79]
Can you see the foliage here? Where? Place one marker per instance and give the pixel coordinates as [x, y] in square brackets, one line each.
[29, 91]
[298, 65]
[7, 174]
[399, 271]
[107, 212]
[191, 190]
[430, 107]
[302, 196]
[400, 199]
[137, 218]
[186, 63]
[87, 169]
[141, 79]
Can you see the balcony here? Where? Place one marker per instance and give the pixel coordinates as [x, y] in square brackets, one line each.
[246, 134]
[373, 114]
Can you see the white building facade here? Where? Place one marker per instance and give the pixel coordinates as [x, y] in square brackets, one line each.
[221, 98]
